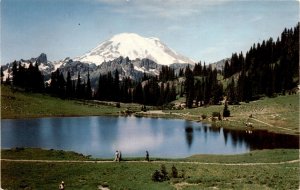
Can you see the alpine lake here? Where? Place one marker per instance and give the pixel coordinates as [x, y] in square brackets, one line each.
[101, 136]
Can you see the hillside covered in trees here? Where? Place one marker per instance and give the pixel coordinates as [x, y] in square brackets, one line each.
[267, 69]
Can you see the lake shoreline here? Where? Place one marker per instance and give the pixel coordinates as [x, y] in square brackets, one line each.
[220, 124]
[267, 114]
[27, 153]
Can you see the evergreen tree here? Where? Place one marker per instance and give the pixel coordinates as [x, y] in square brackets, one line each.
[197, 69]
[2, 75]
[231, 93]
[15, 74]
[226, 112]
[181, 73]
[167, 95]
[38, 83]
[54, 85]
[226, 71]
[116, 86]
[126, 90]
[21, 75]
[217, 92]
[89, 93]
[189, 87]
[163, 94]
[8, 81]
[138, 96]
[61, 86]
[79, 87]
[173, 93]
[199, 92]
[69, 86]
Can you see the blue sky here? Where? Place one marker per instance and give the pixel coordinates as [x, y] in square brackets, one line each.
[202, 30]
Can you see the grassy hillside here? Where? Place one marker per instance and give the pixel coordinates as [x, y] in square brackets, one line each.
[198, 174]
[279, 114]
[28, 105]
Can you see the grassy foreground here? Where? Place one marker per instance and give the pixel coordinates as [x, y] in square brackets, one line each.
[199, 172]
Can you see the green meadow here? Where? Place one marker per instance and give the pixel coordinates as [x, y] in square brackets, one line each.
[265, 169]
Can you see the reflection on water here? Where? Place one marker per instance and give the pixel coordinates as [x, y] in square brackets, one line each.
[189, 132]
[101, 136]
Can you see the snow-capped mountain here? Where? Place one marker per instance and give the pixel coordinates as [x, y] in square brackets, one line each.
[134, 47]
[130, 54]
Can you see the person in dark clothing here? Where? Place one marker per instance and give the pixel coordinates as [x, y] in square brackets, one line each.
[147, 156]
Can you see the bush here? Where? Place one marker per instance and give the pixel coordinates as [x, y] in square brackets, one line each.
[162, 175]
[156, 176]
[174, 173]
[203, 116]
[226, 112]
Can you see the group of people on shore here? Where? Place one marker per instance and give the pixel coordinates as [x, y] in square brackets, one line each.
[118, 156]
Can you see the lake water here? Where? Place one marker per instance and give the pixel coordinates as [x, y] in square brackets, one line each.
[102, 136]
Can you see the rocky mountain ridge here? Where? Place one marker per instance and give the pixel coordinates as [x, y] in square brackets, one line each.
[134, 69]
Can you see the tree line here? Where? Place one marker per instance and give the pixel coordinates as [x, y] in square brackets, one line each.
[201, 86]
[149, 91]
[266, 69]
[30, 78]
[69, 88]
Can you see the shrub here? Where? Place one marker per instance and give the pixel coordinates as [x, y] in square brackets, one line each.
[226, 112]
[174, 173]
[156, 176]
[164, 173]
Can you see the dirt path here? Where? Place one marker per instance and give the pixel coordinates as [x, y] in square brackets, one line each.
[273, 125]
[167, 162]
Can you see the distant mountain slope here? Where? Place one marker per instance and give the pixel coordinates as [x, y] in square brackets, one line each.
[219, 65]
[134, 47]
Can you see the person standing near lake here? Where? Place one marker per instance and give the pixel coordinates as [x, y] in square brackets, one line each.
[147, 156]
[116, 156]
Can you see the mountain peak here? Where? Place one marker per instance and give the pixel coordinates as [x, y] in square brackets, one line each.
[133, 46]
[125, 35]
[131, 37]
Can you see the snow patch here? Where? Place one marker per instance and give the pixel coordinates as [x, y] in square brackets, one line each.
[43, 67]
[139, 69]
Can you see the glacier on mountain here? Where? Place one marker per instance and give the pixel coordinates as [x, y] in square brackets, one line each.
[134, 47]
